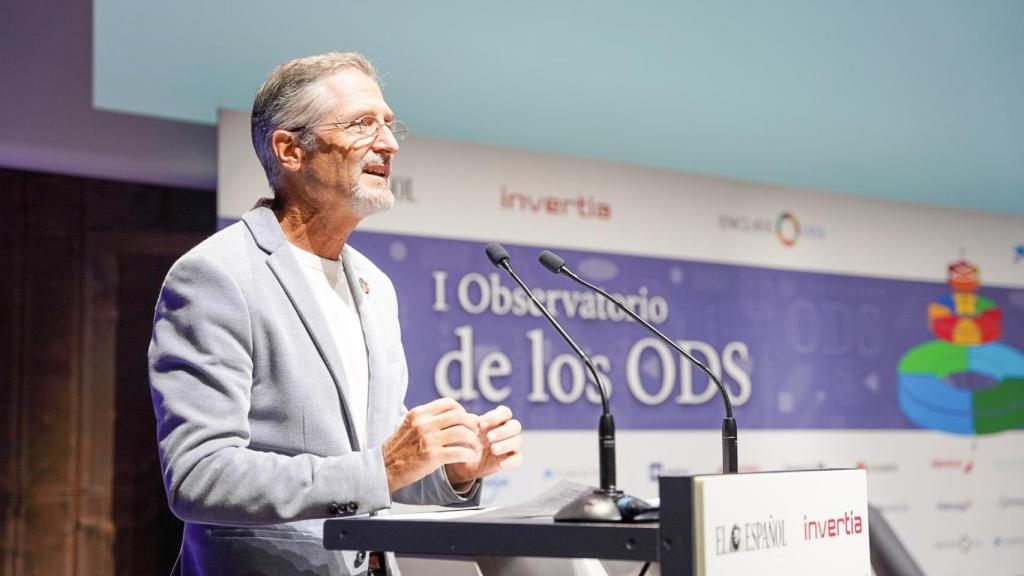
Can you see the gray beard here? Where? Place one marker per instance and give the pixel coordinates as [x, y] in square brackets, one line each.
[366, 202]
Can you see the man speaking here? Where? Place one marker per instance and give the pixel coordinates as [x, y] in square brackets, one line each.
[276, 366]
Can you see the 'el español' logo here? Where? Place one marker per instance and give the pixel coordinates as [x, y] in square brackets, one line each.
[750, 536]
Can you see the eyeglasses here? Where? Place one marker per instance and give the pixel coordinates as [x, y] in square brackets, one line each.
[367, 125]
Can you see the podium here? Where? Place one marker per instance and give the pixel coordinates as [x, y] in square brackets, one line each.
[776, 522]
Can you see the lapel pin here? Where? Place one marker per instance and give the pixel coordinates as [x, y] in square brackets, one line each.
[364, 285]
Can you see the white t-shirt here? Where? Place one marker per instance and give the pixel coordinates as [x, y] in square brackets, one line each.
[330, 288]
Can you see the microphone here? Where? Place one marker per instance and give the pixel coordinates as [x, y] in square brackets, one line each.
[730, 457]
[499, 257]
[608, 503]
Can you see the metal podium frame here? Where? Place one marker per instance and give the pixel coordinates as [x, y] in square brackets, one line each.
[668, 541]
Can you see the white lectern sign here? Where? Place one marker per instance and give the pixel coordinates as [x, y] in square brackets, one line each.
[813, 522]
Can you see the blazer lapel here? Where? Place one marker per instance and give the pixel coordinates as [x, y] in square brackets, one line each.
[363, 296]
[269, 237]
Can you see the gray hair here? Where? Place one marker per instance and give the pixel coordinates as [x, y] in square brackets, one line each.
[294, 96]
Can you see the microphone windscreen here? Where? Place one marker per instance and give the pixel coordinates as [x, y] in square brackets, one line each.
[551, 261]
[497, 253]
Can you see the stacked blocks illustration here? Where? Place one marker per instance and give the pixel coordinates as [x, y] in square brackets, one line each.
[967, 327]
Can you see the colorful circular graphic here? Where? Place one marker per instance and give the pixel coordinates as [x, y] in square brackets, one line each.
[965, 319]
[787, 228]
[929, 401]
[967, 326]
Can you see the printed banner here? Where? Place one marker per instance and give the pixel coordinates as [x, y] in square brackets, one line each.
[795, 349]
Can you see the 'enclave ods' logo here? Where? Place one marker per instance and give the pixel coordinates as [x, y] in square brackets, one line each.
[786, 227]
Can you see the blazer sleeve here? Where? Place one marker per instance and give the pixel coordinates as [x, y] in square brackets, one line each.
[201, 374]
[434, 488]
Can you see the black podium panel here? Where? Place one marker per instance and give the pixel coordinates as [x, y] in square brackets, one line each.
[467, 536]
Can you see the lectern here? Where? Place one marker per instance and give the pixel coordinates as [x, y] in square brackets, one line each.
[804, 522]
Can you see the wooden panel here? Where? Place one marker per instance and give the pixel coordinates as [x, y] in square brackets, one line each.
[10, 366]
[12, 188]
[12, 235]
[74, 397]
[149, 209]
[95, 537]
[10, 371]
[96, 458]
[8, 535]
[46, 538]
[52, 203]
[57, 202]
[50, 386]
[148, 535]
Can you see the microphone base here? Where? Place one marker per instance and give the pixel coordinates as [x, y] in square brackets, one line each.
[606, 506]
[596, 506]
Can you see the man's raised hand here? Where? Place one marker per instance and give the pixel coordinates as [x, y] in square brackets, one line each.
[500, 440]
[432, 435]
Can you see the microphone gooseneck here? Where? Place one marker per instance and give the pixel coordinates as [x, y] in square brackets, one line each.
[499, 257]
[602, 505]
[556, 265]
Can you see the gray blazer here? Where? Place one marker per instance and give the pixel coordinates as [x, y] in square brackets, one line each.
[254, 433]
